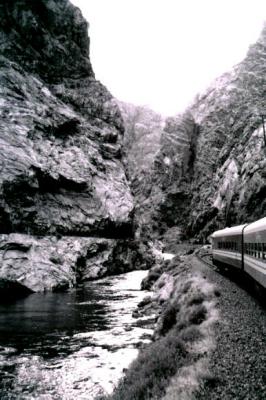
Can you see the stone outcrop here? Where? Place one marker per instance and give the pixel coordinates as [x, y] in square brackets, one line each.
[210, 169]
[60, 129]
[52, 263]
[141, 140]
[60, 162]
[231, 148]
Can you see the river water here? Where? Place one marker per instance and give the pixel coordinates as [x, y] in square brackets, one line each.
[72, 345]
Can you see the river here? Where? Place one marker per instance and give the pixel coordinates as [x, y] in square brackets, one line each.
[72, 345]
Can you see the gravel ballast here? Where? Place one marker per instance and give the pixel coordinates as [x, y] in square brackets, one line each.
[238, 364]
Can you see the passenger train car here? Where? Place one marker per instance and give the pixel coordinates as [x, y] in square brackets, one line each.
[242, 247]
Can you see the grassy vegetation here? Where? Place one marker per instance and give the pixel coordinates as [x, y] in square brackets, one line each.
[150, 373]
[155, 373]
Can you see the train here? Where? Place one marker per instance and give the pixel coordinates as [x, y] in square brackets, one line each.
[242, 247]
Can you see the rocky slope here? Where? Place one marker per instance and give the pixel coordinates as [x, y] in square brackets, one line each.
[141, 140]
[61, 172]
[141, 144]
[210, 169]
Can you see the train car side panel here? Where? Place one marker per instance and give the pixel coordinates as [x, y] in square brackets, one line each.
[255, 251]
[227, 247]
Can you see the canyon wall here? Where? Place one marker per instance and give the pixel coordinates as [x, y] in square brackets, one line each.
[209, 171]
[60, 162]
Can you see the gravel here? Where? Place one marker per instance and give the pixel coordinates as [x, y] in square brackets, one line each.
[238, 364]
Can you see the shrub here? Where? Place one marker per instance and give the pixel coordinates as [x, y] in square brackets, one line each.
[198, 314]
[168, 318]
[152, 277]
[150, 373]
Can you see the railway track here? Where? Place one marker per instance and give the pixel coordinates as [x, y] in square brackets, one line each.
[240, 278]
[206, 259]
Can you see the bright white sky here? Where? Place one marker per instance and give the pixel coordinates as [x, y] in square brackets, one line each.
[162, 52]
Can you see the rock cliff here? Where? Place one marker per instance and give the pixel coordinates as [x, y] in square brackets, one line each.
[60, 162]
[209, 171]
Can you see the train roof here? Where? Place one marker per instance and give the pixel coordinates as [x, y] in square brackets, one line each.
[235, 230]
[256, 226]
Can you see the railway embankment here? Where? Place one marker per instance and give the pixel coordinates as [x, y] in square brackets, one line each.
[238, 362]
[182, 309]
[209, 337]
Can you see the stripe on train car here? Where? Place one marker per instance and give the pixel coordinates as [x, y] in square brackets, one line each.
[229, 254]
[255, 263]
[258, 272]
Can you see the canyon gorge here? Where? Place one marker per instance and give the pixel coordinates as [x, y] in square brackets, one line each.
[92, 187]
[87, 181]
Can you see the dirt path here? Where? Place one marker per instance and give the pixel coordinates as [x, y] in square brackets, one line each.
[239, 361]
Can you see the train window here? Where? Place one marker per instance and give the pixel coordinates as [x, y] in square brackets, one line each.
[264, 251]
[259, 250]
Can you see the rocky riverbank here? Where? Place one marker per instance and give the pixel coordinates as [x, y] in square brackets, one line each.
[184, 309]
[208, 340]
[52, 263]
[71, 345]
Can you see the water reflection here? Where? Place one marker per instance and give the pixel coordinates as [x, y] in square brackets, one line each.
[70, 345]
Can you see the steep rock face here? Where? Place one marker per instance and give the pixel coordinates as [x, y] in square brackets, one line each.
[230, 160]
[162, 194]
[60, 129]
[52, 263]
[141, 143]
[210, 169]
[60, 162]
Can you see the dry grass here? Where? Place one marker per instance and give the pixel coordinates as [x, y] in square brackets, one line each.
[176, 363]
[151, 372]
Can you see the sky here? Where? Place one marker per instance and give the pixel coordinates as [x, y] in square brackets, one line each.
[161, 53]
